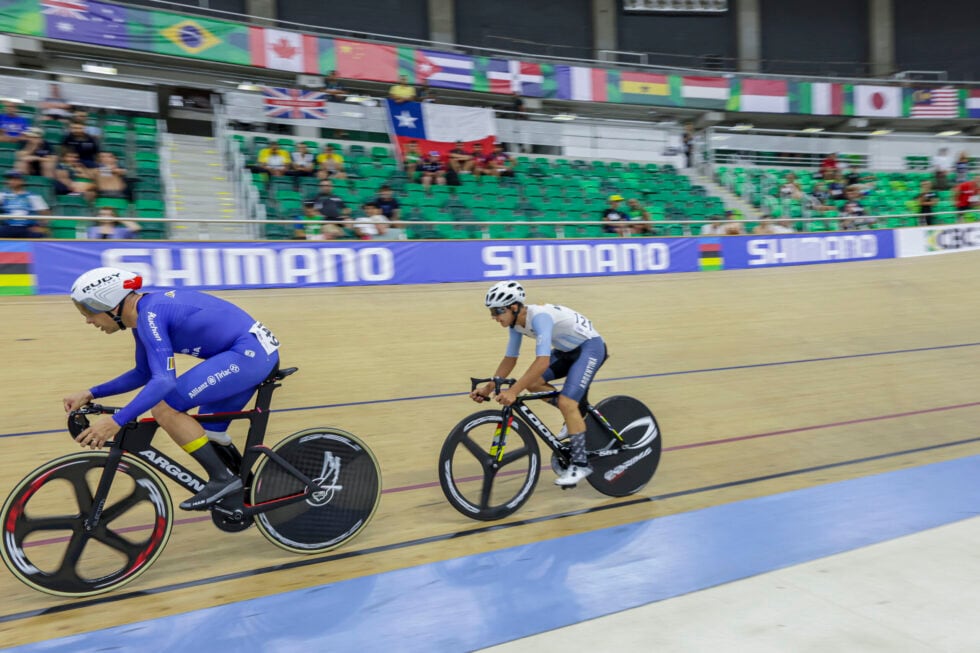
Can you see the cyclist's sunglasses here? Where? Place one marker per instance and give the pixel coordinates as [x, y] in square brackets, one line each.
[499, 311]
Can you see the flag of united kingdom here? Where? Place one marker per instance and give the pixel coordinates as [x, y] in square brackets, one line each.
[67, 8]
[294, 103]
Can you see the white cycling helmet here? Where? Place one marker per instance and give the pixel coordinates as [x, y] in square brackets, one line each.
[505, 293]
[103, 289]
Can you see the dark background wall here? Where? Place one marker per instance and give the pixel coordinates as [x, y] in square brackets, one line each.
[815, 38]
[680, 40]
[236, 6]
[548, 27]
[938, 36]
[406, 18]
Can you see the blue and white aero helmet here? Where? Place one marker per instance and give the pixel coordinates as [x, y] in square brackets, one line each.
[103, 289]
[505, 293]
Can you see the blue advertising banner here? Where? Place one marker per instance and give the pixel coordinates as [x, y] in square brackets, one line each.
[304, 263]
[740, 252]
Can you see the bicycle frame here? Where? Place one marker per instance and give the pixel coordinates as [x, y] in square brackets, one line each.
[134, 439]
[532, 420]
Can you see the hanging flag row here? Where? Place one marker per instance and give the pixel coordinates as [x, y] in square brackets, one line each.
[105, 23]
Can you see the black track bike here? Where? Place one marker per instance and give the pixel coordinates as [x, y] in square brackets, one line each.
[490, 462]
[91, 522]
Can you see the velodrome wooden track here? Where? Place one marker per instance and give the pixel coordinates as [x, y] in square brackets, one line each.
[837, 371]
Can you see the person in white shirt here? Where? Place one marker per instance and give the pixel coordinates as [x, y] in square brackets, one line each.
[942, 165]
[373, 224]
[566, 345]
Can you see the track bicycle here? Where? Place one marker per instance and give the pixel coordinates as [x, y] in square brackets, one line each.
[90, 522]
[484, 477]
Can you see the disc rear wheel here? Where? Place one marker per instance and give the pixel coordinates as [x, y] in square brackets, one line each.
[621, 469]
[350, 480]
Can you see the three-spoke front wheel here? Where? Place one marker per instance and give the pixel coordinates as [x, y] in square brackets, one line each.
[45, 541]
[474, 481]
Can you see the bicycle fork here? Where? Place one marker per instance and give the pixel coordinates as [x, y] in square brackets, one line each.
[500, 435]
[102, 492]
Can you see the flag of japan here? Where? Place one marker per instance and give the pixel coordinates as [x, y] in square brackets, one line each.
[281, 50]
[878, 101]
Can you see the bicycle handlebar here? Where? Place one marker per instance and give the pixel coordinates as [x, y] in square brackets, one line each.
[498, 383]
[78, 422]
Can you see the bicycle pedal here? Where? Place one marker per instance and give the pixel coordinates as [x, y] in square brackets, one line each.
[568, 487]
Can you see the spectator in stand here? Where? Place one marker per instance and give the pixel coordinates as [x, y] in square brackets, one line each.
[517, 107]
[273, 160]
[942, 167]
[110, 178]
[80, 115]
[928, 199]
[853, 213]
[770, 226]
[20, 208]
[36, 155]
[820, 197]
[968, 195]
[110, 227]
[72, 178]
[829, 167]
[837, 187]
[329, 205]
[481, 160]
[715, 227]
[852, 177]
[963, 167]
[84, 144]
[499, 163]
[372, 224]
[311, 225]
[427, 94]
[433, 170]
[733, 227]
[460, 161]
[688, 144]
[389, 205]
[639, 217]
[302, 162]
[330, 164]
[617, 221]
[791, 188]
[334, 89]
[54, 106]
[12, 124]
[411, 159]
[402, 91]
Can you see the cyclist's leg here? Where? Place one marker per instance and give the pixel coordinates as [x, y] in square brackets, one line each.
[222, 382]
[591, 355]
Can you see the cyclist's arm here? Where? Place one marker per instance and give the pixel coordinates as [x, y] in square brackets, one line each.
[163, 374]
[134, 378]
[543, 325]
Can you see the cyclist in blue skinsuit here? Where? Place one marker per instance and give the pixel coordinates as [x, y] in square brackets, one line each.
[566, 345]
[238, 354]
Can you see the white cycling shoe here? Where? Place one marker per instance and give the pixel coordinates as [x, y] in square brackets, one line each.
[572, 475]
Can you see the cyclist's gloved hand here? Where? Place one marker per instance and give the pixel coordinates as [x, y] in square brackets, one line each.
[76, 400]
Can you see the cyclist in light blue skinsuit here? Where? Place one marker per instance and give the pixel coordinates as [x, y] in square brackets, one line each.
[238, 352]
[566, 345]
